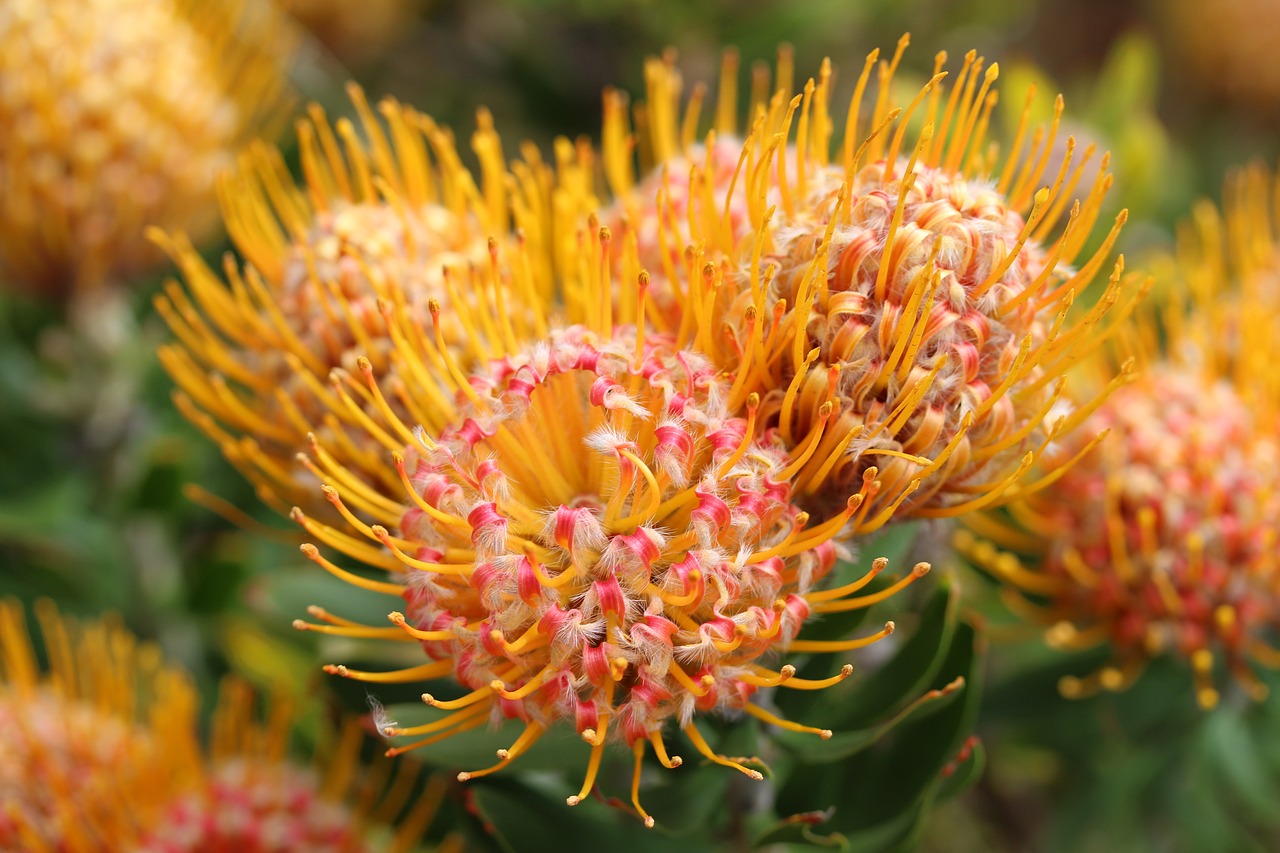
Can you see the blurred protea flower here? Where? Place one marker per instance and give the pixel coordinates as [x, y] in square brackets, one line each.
[598, 542]
[117, 114]
[1164, 538]
[1225, 50]
[338, 272]
[101, 753]
[917, 294]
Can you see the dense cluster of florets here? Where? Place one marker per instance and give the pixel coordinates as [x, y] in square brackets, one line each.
[1162, 539]
[116, 115]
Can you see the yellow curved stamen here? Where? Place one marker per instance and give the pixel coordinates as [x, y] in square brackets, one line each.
[398, 619]
[917, 572]
[691, 731]
[313, 553]
[774, 720]
[841, 645]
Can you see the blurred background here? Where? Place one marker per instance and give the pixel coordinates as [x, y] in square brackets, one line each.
[94, 508]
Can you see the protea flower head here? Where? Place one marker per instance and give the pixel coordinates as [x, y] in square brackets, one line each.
[1164, 538]
[921, 285]
[1224, 51]
[598, 542]
[118, 114]
[336, 269]
[102, 753]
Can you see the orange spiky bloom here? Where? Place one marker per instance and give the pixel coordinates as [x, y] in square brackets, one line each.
[253, 799]
[922, 288]
[1225, 51]
[598, 542]
[334, 271]
[89, 749]
[118, 114]
[101, 753]
[1164, 539]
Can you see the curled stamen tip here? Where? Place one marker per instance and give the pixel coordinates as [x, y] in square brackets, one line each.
[756, 775]
[825, 734]
[573, 800]
[497, 686]
[396, 617]
[788, 671]
[676, 761]
[708, 680]
[845, 671]
[464, 776]
[504, 754]
[648, 822]
[588, 735]
[428, 699]
[921, 569]
[336, 669]
[879, 564]
[890, 627]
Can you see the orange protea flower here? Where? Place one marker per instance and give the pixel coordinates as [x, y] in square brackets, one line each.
[926, 297]
[102, 754]
[372, 237]
[254, 800]
[1225, 50]
[90, 749]
[598, 542]
[1165, 537]
[117, 114]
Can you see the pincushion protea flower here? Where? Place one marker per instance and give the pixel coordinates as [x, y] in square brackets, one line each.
[117, 114]
[1164, 539]
[1224, 50]
[102, 754]
[598, 542]
[336, 269]
[914, 294]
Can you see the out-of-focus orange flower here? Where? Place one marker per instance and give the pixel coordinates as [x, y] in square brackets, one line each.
[102, 753]
[345, 268]
[1164, 538]
[116, 115]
